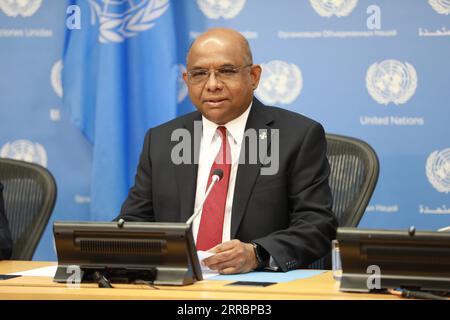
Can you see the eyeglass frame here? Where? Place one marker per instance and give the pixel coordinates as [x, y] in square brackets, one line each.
[216, 71]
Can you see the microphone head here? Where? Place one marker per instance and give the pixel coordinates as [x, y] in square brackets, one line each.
[219, 173]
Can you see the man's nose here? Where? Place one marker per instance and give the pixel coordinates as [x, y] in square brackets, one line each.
[213, 83]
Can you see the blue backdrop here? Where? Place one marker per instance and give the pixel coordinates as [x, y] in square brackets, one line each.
[79, 89]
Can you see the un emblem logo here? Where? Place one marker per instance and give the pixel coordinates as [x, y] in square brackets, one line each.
[440, 6]
[120, 19]
[215, 9]
[55, 78]
[280, 82]
[391, 81]
[328, 8]
[438, 170]
[25, 8]
[25, 150]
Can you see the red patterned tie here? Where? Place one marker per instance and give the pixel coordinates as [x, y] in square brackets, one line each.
[211, 224]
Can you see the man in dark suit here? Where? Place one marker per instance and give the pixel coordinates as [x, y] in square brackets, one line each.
[5, 234]
[256, 216]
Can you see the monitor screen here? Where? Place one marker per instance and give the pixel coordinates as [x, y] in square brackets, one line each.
[418, 260]
[161, 253]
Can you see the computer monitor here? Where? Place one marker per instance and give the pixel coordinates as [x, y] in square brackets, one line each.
[160, 253]
[415, 260]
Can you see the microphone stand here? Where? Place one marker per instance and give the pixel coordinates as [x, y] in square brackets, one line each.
[214, 180]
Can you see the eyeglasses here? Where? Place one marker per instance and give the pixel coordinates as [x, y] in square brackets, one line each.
[225, 73]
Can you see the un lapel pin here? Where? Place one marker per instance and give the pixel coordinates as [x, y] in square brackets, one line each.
[263, 135]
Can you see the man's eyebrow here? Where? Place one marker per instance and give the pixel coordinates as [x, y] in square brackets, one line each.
[197, 68]
[227, 64]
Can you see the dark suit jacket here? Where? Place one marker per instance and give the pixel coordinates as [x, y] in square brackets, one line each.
[5, 234]
[288, 214]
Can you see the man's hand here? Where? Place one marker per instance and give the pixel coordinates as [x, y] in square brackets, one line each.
[232, 257]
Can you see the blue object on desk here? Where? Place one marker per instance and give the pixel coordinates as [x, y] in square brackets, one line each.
[270, 276]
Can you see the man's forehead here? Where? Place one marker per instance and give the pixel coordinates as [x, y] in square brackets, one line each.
[214, 58]
[212, 45]
[218, 47]
[220, 36]
[210, 42]
[206, 61]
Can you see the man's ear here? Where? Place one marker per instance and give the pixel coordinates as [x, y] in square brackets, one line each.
[255, 73]
[185, 77]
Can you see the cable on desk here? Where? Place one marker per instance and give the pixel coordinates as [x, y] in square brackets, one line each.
[102, 281]
[409, 294]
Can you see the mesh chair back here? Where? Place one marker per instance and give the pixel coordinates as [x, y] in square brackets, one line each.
[354, 175]
[30, 194]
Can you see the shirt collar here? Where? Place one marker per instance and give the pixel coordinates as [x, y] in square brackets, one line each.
[235, 127]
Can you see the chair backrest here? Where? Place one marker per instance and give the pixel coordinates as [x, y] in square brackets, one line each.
[354, 175]
[30, 194]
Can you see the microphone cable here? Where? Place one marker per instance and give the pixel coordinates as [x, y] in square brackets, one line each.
[411, 294]
[102, 281]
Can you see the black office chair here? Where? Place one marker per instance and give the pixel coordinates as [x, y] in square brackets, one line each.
[30, 194]
[354, 175]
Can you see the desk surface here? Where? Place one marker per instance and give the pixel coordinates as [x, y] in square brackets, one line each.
[320, 286]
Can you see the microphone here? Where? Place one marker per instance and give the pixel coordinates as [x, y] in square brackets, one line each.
[217, 173]
[216, 177]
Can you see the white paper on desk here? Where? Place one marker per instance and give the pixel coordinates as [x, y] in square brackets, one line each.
[39, 272]
[206, 272]
[445, 229]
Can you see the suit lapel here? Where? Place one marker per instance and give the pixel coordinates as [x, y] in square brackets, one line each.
[248, 172]
[186, 174]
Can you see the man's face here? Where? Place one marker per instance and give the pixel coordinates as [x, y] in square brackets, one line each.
[223, 96]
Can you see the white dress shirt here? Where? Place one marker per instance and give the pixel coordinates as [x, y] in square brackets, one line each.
[209, 147]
